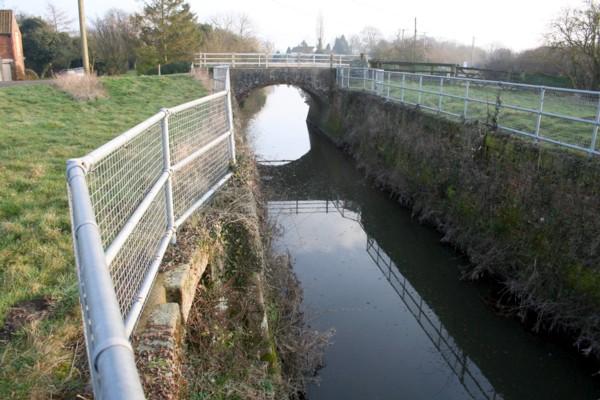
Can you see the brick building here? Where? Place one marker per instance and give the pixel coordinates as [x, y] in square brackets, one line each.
[11, 44]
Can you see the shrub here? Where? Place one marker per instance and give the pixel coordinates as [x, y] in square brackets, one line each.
[81, 87]
[31, 75]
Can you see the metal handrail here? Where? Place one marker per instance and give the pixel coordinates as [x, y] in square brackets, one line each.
[269, 60]
[388, 83]
[107, 328]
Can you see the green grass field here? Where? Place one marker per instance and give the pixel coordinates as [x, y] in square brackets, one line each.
[40, 128]
[572, 132]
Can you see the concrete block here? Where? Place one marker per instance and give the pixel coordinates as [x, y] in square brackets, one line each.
[181, 283]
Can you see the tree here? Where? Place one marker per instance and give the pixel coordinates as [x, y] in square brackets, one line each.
[58, 19]
[501, 60]
[320, 33]
[113, 42]
[218, 39]
[355, 44]
[168, 32]
[576, 33]
[369, 37]
[238, 23]
[45, 49]
[341, 46]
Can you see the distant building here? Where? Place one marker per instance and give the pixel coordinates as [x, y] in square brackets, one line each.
[12, 63]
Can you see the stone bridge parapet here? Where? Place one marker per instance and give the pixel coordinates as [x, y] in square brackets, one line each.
[318, 82]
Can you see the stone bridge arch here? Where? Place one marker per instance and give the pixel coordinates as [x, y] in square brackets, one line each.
[317, 82]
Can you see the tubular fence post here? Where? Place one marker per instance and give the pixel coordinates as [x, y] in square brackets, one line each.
[373, 80]
[539, 116]
[111, 359]
[595, 131]
[440, 104]
[402, 87]
[420, 89]
[267, 60]
[364, 79]
[230, 117]
[466, 100]
[389, 84]
[349, 73]
[166, 148]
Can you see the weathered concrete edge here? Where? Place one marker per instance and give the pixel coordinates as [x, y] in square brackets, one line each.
[158, 339]
[160, 333]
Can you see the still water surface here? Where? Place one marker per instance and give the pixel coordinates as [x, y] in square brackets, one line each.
[405, 326]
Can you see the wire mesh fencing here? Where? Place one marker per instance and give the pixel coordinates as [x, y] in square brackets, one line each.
[564, 117]
[127, 199]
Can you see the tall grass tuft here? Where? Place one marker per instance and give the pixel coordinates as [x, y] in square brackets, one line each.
[81, 87]
[202, 75]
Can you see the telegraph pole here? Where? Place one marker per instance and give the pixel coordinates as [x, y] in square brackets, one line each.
[83, 32]
[472, 51]
[415, 43]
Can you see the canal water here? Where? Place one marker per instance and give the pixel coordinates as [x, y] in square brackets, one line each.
[406, 326]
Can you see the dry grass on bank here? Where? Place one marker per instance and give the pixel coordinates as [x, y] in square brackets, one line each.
[81, 87]
[230, 353]
[202, 75]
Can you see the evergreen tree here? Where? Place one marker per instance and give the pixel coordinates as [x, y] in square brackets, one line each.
[168, 32]
[46, 50]
[341, 46]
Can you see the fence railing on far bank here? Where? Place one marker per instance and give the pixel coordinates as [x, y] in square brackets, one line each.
[265, 60]
[127, 199]
[564, 117]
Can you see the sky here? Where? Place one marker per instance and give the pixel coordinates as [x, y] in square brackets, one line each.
[517, 24]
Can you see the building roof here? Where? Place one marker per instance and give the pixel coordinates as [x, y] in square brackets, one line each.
[6, 18]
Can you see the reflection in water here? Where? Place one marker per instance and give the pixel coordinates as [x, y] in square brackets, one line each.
[410, 328]
[469, 375]
[280, 137]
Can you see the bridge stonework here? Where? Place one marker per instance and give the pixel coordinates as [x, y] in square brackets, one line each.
[318, 82]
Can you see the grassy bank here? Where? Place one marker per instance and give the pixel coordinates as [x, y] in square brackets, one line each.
[484, 99]
[40, 128]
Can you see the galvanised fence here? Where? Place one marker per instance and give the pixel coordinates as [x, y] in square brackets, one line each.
[564, 117]
[127, 199]
[266, 60]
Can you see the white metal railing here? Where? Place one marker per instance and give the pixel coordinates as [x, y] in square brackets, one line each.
[565, 117]
[266, 60]
[127, 199]
[466, 370]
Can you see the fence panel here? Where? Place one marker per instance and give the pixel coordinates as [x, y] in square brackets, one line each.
[268, 60]
[127, 198]
[565, 117]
